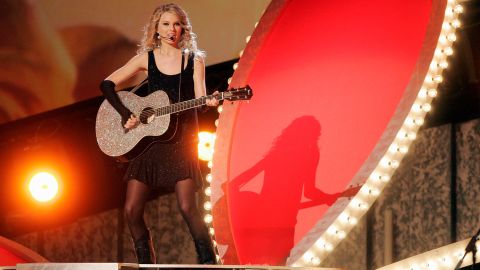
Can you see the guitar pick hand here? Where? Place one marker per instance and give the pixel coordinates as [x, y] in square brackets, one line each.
[132, 122]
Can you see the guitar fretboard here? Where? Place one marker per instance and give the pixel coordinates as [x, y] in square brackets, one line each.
[185, 105]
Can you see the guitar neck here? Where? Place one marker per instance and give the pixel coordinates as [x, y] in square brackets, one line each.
[185, 105]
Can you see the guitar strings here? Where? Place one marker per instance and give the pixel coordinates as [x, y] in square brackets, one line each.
[172, 107]
[180, 106]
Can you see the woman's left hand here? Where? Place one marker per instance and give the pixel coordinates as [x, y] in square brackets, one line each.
[212, 102]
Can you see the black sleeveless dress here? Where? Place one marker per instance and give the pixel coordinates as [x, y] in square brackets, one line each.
[165, 163]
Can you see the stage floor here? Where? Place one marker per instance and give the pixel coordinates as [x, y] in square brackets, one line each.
[126, 266]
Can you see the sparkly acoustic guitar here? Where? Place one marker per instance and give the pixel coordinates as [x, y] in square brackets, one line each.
[154, 112]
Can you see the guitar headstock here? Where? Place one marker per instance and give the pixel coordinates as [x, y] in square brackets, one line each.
[242, 93]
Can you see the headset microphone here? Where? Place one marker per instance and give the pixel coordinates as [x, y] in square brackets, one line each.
[171, 38]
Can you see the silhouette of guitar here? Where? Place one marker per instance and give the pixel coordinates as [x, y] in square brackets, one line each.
[348, 193]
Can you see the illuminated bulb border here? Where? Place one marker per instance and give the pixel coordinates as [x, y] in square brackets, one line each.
[373, 187]
[208, 218]
[444, 258]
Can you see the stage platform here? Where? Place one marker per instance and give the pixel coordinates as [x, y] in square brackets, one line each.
[127, 266]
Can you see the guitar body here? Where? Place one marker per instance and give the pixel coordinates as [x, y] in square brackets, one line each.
[158, 120]
[111, 136]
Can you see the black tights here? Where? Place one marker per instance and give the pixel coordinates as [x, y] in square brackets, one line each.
[137, 196]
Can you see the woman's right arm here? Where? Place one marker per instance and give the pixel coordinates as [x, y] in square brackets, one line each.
[135, 65]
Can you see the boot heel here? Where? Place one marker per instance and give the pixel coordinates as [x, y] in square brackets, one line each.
[205, 252]
[144, 249]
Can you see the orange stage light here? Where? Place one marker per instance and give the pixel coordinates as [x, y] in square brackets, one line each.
[206, 143]
[43, 186]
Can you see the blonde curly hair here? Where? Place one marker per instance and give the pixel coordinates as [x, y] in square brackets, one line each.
[188, 39]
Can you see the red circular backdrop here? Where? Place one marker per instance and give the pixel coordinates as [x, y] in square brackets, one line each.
[327, 77]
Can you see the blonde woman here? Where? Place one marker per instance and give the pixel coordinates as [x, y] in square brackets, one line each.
[170, 166]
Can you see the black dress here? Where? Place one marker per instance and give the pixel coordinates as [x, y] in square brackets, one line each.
[165, 163]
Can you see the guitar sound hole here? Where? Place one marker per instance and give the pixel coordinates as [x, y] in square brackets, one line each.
[147, 115]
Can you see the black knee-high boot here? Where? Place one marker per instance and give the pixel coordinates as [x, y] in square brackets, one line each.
[144, 249]
[204, 249]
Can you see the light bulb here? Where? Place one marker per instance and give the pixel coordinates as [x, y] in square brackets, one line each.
[446, 26]
[316, 261]
[393, 148]
[320, 243]
[443, 39]
[456, 23]
[389, 163]
[208, 218]
[332, 230]
[207, 205]
[448, 51]
[359, 204]
[385, 178]
[458, 9]
[379, 177]
[432, 93]
[418, 121]
[423, 93]
[426, 107]
[353, 220]
[451, 37]
[307, 256]
[437, 78]
[449, 12]
[417, 107]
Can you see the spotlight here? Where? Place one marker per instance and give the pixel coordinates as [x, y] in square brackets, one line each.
[43, 186]
[206, 142]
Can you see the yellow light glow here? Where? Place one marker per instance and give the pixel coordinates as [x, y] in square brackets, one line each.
[208, 191]
[206, 143]
[207, 205]
[43, 187]
[208, 218]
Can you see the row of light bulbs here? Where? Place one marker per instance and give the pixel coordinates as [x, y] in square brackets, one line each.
[444, 258]
[372, 188]
[208, 218]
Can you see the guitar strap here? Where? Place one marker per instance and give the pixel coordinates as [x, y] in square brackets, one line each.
[180, 79]
[134, 89]
[179, 95]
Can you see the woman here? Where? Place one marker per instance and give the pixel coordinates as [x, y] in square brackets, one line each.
[171, 166]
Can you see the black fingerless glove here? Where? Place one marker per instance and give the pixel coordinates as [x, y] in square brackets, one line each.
[108, 90]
